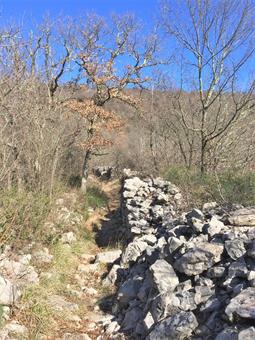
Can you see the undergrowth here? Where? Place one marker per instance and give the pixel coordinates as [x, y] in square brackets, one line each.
[22, 214]
[223, 187]
[96, 198]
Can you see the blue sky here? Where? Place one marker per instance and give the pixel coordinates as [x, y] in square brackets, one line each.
[29, 12]
[26, 10]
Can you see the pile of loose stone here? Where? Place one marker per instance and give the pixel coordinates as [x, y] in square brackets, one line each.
[183, 276]
[105, 173]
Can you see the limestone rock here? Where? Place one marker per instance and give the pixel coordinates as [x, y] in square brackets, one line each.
[8, 292]
[198, 259]
[235, 248]
[19, 271]
[112, 276]
[164, 276]
[133, 251]
[108, 256]
[209, 206]
[214, 226]
[247, 334]
[195, 213]
[238, 269]
[216, 272]
[16, 329]
[242, 305]
[68, 238]
[179, 327]
[174, 243]
[243, 217]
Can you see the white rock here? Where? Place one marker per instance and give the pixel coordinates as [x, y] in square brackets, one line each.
[164, 276]
[16, 329]
[108, 256]
[90, 291]
[18, 271]
[112, 328]
[68, 238]
[243, 217]
[209, 205]
[8, 292]
[242, 305]
[247, 334]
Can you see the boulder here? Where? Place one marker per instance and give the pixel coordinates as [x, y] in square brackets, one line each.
[179, 327]
[112, 276]
[133, 251]
[199, 259]
[216, 272]
[247, 334]
[209, 206]
[243, 217]
[19, 270]
[174, 244]
[58, 302]
[195, 213]
[164, 276]
[242, 305]
[213, 227]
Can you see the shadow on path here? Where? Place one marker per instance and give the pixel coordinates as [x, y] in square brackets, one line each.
[111, 232]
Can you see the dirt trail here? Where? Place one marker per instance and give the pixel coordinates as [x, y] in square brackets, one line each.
[103, 222]
[64, 303]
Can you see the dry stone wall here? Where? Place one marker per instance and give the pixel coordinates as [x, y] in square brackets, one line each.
[182, 275]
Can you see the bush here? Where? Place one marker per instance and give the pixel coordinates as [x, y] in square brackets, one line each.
[227, 186]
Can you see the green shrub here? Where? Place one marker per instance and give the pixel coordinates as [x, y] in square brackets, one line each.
[96, 198]
[226, 186]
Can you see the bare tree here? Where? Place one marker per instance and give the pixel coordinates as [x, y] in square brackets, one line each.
[111, 57]
[217, 44]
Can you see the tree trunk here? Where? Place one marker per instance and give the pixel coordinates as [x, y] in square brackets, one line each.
[203, 157]
[53, 172]
[85, 169]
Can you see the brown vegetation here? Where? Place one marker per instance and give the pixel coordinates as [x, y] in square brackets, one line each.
[99, 88]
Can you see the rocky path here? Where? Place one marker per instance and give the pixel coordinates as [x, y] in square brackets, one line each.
[54, 293]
